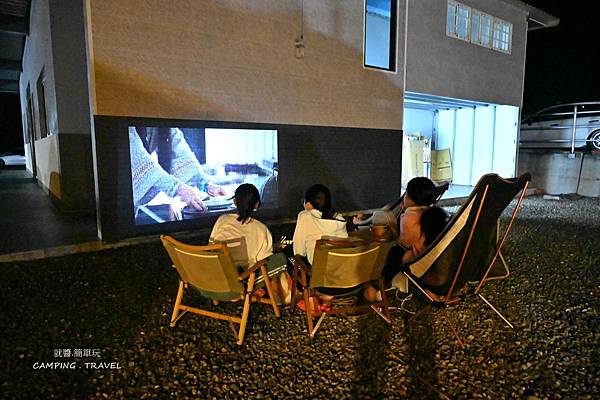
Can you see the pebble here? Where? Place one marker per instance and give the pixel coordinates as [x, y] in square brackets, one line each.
[125, 306]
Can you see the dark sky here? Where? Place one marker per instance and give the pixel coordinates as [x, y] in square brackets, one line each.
[563, 62]
[11, 136]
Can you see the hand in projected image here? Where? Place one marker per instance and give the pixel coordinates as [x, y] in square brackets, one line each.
[215, 190]
[358, 218]
[191, 196]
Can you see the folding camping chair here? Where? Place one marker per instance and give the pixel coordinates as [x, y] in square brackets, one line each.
[341, 264]
[468, 248]
[210, 269]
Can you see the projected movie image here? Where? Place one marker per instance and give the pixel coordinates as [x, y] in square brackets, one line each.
[184, 173]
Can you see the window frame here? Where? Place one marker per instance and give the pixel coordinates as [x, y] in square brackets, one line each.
[502, 23]
[455, 33]
[490, 30]
[393, 52]
[455, 7]
[41, 106]
[481, 16]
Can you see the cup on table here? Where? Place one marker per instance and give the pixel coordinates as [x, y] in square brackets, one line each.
[378, 231]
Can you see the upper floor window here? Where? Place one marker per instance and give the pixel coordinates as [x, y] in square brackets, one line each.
[502, 35]
[380, 34]
[481, 28]
[458, 23]
[472, 25]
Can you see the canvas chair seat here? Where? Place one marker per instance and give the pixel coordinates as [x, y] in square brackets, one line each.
[211, 270]
[341, 264]
[469, 248]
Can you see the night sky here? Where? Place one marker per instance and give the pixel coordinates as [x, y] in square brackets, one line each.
[562, 65]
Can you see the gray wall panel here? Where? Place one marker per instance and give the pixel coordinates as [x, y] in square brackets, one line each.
[361, 167]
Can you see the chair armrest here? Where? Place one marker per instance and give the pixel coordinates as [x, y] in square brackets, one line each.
[300, 263]
[252, 269]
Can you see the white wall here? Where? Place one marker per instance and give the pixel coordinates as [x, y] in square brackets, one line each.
[483, 143]
[56, 46]
[37, 56]
[445, 130]
[505, 141]
[463, 147]
[418, 121]
[482, 140]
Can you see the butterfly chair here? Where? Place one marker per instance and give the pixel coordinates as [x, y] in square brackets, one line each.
[468, 248]
[211, 270]
[341, 264]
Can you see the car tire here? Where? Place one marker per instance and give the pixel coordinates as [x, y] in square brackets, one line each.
[2, 163]
[594, 145]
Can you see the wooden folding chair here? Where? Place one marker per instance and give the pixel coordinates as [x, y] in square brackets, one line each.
[210, 270]
[341, 264]
[469, 247]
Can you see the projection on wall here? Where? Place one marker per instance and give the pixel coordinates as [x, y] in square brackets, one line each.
[186, 173]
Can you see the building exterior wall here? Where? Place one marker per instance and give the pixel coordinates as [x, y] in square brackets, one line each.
[56, 46]
[232, 60]
[445, 66]
[67, 19]
[37, 57]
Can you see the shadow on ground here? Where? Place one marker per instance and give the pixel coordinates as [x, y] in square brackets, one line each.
[119, 302]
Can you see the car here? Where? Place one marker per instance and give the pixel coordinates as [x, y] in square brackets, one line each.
[14, 158]
[565, 126]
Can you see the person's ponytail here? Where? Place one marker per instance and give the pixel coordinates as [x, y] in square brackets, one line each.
[246, 197]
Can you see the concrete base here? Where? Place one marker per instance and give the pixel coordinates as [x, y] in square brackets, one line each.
[560, 173]
[589, 183]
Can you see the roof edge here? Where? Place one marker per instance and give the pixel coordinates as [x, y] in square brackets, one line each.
[538, 18]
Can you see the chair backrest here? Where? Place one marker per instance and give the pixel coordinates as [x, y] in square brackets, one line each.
[440, 190]
[464, 250]
[338, 265]
[238, 249]
[210, 268]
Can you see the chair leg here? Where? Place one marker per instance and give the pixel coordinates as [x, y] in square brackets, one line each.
[381, 314]
[294, 287]
[306, 290]
[318, 324]
[384, 301]
[265, 274]
[453, 329]
[177, 304]
[503, 260]
[496, 311]
[247, 301]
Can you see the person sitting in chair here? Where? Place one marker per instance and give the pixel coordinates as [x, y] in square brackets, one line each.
[257, 241]
[248, 239]
[318, 219]
[431, 223]
[419, 197]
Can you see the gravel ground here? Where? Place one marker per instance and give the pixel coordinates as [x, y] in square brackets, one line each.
[119, 303]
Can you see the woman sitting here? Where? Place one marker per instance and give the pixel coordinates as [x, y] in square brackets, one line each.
[318, 219]
[420, 194]
[248, 239]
